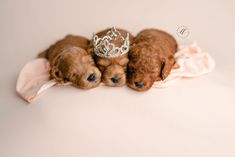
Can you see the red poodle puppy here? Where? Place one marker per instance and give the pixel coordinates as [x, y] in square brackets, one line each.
[70, 62]
[151, 58]
[110, 48]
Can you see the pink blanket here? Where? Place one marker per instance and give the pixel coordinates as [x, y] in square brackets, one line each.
[191, 62]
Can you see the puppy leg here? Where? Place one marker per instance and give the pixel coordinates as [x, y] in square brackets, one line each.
[167, 66]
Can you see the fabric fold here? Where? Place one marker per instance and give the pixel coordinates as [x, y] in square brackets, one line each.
[33, 79]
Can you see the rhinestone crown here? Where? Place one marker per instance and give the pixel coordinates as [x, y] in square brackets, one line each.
[104, 47]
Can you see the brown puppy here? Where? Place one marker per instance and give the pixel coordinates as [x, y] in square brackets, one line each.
[70, 62]
[113, 68]
[151, 58]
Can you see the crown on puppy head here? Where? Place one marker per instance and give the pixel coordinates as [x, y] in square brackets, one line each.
[104, 48]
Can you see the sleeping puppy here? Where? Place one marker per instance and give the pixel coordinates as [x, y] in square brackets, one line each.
[70, 62]
[113, 67]
[151, 58]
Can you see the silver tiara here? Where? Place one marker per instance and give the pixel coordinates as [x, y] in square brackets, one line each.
[104, 48]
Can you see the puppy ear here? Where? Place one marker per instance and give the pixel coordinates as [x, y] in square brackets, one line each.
[57, 74]
[167, 66]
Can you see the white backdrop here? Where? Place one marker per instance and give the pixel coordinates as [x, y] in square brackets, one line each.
[189, 119]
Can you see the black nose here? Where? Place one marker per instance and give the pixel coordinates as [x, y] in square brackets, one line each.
[91, 78]
[139, 84]
[115, 79]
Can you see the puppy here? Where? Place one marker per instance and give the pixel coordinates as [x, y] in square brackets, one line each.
[113, 69]
[151, 58]
[70, 62]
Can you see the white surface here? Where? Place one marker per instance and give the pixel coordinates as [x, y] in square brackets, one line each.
[190, 119]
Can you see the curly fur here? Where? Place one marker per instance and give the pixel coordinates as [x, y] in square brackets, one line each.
[70, 62]
[151, 58]
[113, 67]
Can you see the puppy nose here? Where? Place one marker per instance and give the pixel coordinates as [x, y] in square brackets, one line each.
[115, 79]
[91, 78]
[139, 84]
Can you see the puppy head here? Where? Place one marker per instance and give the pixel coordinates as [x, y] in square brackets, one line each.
[143, 69]
[76, 66]
[113, 70]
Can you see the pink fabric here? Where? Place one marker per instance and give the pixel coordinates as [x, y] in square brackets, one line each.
[191, 62]
[33, 79]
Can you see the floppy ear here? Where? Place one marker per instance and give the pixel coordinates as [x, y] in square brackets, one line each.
[167, 65]
[57, 74]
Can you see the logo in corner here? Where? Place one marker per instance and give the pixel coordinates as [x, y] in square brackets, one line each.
[183, 32]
